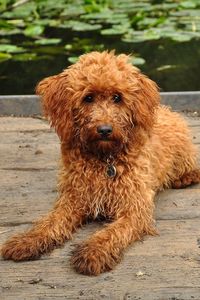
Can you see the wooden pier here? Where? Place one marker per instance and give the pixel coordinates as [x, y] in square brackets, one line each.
[166, 267]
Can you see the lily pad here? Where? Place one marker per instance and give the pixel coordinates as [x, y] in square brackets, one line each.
[137, 61]
[7, 32]
[68, 47]
[6, 25]
[24, 57]
[33, 30]
[72, 11]
[22, 11]
[16, 22]
[11, 48]
[73, 59]
[166, 67]
[188, 4]
[5, 56]
[179, 36]
[115, 30]
[186, 12]
[100, 16]
[48, 41]
[141, 36]
[81, 26]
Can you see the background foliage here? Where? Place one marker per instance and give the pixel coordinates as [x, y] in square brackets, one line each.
[32, 30]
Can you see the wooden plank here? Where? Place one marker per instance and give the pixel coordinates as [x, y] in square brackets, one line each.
[26, 195]
[192, 121]
[181, 100]
[28, 105]
[30, 155]
[165, 267]
[160, 267]
[178, 204]
[27, 181]
[25, 105]
[28, 137]
[22, 124]
[195, 134]
[35, 149]
[25, 209]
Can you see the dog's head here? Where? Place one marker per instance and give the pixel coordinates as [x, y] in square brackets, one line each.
[100, 103]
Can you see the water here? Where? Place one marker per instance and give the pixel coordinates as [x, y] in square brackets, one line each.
[174, 66]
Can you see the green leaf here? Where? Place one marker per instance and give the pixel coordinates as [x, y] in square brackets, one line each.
[99, 16]
[188, 4]
[25, 57]
[22, 11]
[81, 26]
[165, 7]
[116, 29]
[166, 67]
[185, 13]
[11, 48]
[57, 23]
[181, 37]
[6, 32]
[5, 56]
[72, 11]
[48, 41]
[68, 47]
[141, 36]
[42, 22]
[6, 25]
[17, 22]
[33, 30]
[73, 59]
[147, 22]
[132, 6]
[3, 4]
[137, 61]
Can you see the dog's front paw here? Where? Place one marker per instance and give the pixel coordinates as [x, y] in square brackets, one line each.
[20, 248]
[90, 259]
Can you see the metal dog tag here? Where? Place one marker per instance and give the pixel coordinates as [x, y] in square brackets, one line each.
[111, 171]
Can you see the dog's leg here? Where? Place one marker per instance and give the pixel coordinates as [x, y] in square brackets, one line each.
[105, 248]
[187, 179]
[49, 232]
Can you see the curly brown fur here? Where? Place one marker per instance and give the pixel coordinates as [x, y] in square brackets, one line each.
[187, 179]
[149, 146]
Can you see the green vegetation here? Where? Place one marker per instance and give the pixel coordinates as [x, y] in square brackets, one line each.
[38, 29]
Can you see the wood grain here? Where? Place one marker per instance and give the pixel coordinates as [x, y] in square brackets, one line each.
[165, 267]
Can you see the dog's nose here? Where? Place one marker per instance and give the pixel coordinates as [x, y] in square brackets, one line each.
[104, 130]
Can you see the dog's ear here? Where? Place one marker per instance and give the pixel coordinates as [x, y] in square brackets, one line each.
[147, 99]
[55, 101]
[46, 89]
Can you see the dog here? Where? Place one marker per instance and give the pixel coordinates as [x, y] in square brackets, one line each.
[119, 148]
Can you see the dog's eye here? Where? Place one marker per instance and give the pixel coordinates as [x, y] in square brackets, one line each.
[89, 98]
[117, 98]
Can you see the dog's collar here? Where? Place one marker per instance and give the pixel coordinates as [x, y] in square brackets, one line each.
[110, 167]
